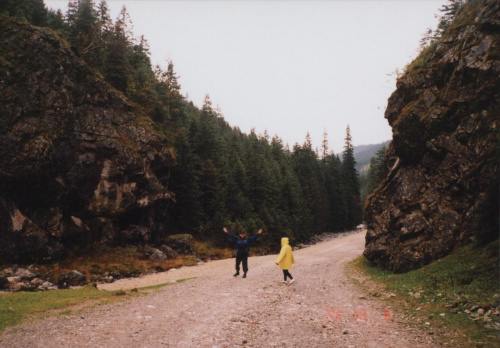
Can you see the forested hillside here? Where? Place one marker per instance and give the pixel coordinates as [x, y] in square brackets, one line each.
[363, 154]
[373, 168]
[219, 176]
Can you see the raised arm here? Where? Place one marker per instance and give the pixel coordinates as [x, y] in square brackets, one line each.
[230, 236]
[251, 240]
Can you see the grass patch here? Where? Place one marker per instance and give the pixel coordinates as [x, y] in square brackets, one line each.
[159, 286]
[180, 281]
[444, 297]
[422, 59]
[19, 307]
[154, 287]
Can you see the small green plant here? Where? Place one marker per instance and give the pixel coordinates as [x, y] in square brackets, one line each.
[420, 61]
[154, 287]
[180, 281]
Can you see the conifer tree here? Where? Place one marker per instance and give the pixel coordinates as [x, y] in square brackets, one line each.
[173, 97]
[324, 145]
[335, 197]
[222, 176]
[104, 17]
[84, 30]
[33, 11]
[141, 86]
[378, 170]
[351, 185]
[449, 11]
[55, 21]
[305, 165]
[117, 69]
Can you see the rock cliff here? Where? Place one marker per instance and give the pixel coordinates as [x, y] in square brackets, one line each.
[444, 116]
[78, 163]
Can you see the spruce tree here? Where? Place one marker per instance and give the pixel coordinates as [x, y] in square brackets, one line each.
[33, 11]
[350, 179]
[378, 170]
[117, 70]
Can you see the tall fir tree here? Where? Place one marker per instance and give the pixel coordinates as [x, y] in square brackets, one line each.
[117, 70]
[350, 179]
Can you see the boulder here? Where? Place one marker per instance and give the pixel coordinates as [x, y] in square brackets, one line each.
[36, 282]
[11, 271]
[157, 256]
[154, 254]
[72, 278]
[168, 251]
[47, 286]
[14, 279]
[181, 243]
[25, 274]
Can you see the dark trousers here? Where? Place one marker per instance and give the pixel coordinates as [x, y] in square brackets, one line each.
[286, 273]
[239, 259]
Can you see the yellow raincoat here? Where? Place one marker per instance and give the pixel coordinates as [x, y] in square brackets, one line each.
[285, 258]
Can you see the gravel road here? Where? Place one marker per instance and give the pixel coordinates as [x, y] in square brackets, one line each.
[323, 308]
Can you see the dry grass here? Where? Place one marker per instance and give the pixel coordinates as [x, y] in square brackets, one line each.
[127, 262]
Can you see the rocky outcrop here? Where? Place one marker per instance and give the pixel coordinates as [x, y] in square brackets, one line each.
[444, 117]
[78, 163]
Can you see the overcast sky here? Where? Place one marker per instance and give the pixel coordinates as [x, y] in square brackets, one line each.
[288, 67]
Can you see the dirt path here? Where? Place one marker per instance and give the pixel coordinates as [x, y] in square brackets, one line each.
[321, 309]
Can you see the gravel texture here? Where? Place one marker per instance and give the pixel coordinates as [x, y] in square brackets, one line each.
[322, 308]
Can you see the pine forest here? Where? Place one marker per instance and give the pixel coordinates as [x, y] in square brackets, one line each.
[222, 176]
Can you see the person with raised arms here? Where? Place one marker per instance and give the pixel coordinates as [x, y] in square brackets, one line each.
[242, 249]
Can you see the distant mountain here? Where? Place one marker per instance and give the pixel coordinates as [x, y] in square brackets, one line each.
[364, 153]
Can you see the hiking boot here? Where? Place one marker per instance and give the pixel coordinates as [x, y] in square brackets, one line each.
[291, 281]
[245, 275]
[236, 274]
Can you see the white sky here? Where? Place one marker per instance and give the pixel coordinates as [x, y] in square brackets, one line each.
[288, 67]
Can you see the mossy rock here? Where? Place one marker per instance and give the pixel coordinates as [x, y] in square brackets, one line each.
[181, 243]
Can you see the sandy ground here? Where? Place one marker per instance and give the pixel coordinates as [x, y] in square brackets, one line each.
[323, 308]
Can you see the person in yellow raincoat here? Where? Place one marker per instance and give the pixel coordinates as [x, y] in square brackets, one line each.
[285, 259]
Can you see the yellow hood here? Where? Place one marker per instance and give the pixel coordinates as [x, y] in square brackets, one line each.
[284, 241]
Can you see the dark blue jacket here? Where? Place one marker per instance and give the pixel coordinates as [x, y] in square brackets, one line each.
[242, 245]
